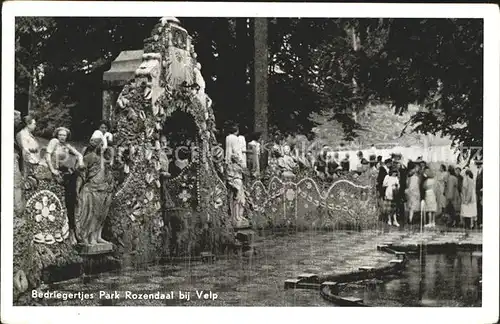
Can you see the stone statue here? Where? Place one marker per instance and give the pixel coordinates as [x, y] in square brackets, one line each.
[95, 190]
[150, 72]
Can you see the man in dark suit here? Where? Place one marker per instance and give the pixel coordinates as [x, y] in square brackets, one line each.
[479, 193]
[401, 197]
[382, 172]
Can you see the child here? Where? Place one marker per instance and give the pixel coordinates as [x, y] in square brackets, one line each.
[391, 184]
[107, 138]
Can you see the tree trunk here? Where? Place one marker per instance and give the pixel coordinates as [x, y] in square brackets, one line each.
[242, 92]
[261, 76]
[30, 91]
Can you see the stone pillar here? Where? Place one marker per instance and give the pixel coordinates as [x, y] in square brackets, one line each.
[261, 77]
[106, 104]
[109, 97]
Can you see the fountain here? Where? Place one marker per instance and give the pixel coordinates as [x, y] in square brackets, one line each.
[167, 83]
[164, 92]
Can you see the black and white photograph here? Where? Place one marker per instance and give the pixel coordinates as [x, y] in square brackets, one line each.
[250, 155]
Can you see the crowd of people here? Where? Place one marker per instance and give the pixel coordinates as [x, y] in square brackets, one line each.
[406, 189]
[450, 193]
[83, 180]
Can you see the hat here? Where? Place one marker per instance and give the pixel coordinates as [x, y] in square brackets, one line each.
[419, 160]
[429, 173]
[386, 161]
[373, 158]
[58, 129]
[97, 138]
[97, 134]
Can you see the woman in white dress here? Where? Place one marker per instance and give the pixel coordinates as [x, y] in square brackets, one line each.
[468, 210]
[413, 190]
[392, 185]
[28, 144]
[430, 197]
[243, 150]
[440, 186]
[253, 163]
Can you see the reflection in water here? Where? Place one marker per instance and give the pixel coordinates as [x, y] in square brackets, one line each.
[446, 280]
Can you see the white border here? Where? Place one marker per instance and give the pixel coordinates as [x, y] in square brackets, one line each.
[487, 314]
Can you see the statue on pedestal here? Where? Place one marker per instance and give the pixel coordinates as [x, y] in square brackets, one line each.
[95, 191]
[235, 170]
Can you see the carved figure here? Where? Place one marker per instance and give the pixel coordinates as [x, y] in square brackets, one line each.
[95, 192]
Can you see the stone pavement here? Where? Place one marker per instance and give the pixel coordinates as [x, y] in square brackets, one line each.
[259, 281]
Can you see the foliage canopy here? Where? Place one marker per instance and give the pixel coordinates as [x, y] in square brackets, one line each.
[330, 67]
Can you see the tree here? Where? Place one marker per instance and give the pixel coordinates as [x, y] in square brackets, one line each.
[261, 76]
[436, 63]
[60, 61]
[31, 35]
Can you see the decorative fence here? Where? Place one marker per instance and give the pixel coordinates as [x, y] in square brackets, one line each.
[305, 205]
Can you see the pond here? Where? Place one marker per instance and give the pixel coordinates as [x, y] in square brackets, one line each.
[442, 280]
[259, 280]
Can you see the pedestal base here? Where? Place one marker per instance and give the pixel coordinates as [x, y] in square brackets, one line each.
[245, 236]
[245, 241]
[93, 249]
[243, 223]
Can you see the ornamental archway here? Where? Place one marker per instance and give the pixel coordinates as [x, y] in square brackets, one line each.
[166, 88]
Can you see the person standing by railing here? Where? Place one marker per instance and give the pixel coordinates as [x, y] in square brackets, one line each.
[479, 192]
[28, 144]
[413, 190]
[18, 176]
[440, 187]
[392, 186]
[430, 197]
[468, 210]
[452, 197]
[254, 150]
[232, 144]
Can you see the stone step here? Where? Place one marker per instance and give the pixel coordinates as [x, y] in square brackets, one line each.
[291, 283]
[298, 284]
[207, 256]
[94, 249]
[396, 262]
[353, 299]
[331, 284]
[308, 277]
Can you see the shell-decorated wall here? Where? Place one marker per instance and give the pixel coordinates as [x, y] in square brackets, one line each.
[162, 88]
[41, 230]
[308, 204]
